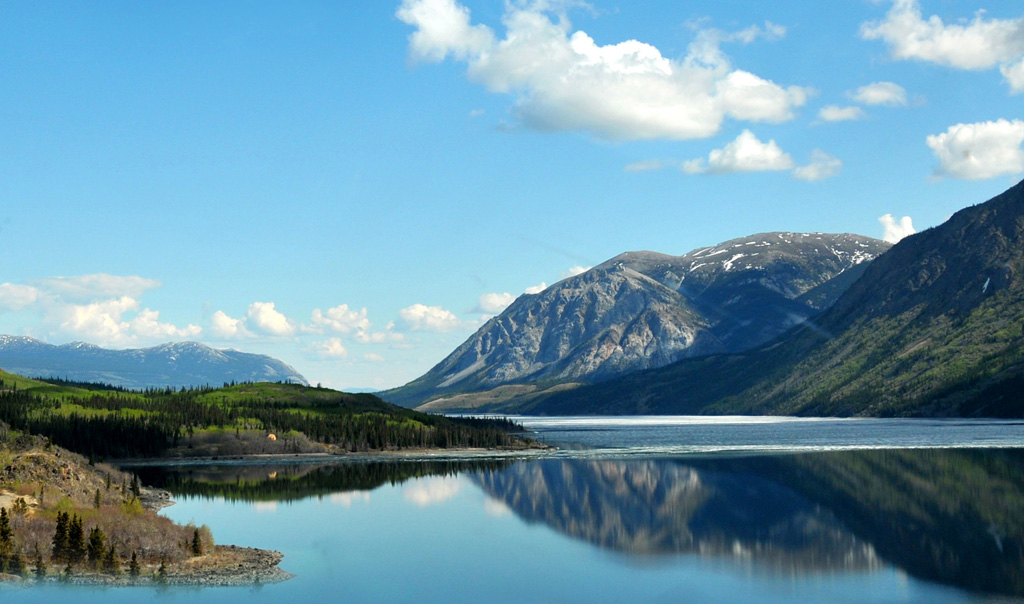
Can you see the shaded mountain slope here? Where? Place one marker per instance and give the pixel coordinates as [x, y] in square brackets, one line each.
[934, 327]
[642, 310]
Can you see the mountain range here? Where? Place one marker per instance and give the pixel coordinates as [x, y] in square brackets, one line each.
[643, 310]
[933, 327]
[176, 364]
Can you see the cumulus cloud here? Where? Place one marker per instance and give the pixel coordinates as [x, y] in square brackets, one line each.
[100, 308]
[420, 317]
[494, 303]
[104, 322]
[341, 319]
[1014, 75]
[835, 113]
[971, 45]
[147, 324]
[265, 317]
[822, 166]
[980, 150]
[745, 154]
[536, 289]
[893, 231]
[17, 297]
[331, 347]
[881, 93]
[564, 80]
[226, 327]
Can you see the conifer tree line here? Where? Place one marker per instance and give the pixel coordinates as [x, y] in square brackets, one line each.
[145, 424]
[71, 548]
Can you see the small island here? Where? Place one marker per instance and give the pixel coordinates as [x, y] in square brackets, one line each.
[66, 515]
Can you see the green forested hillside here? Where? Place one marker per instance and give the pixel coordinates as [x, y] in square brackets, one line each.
[99, 421]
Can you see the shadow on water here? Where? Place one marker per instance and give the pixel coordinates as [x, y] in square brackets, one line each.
[954, 517]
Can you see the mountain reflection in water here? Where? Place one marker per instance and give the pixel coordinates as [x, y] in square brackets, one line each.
[954, 517]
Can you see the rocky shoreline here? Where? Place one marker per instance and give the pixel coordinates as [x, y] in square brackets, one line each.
[227, 566]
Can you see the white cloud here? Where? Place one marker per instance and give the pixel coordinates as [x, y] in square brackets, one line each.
[563, 80]
[881, 93]
[978, 44]
[494, 303]
[443, 28]
[104, 323]
[332, 347]
[373, 357]
[224, 326]
[431, 491]
[980, 150]
[420, 317]
[147, 324]
[755, 99]
[1014, 74]
[380, 337]
[835, 113]
[266, 318]
[745, 154]
[17, 297]
[341, 319]
[572, 271]
[99, 322]
[536, 289]
[822, 166]
[87, 288]
[893, 231]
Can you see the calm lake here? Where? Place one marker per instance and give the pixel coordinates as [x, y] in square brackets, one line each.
[631, 510]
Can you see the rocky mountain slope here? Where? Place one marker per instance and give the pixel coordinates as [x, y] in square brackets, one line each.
[643, 310]
[178, 364]
[934, 327]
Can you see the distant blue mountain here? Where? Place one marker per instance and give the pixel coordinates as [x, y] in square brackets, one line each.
[176, 364]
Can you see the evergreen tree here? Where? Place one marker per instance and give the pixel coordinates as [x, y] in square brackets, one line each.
[76, 541]
[16, 566]
[136, 487]
[133, 567]
[6, 540]
[97, 547]
[60, 539]
[96, 500]
[40, 565]
[197, 543]
[111, 563]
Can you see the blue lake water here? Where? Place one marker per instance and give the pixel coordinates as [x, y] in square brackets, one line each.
[632, 510]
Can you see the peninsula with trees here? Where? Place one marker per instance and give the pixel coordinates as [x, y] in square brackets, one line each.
[67, 515]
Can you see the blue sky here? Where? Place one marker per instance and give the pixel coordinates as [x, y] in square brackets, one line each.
[354, 187]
